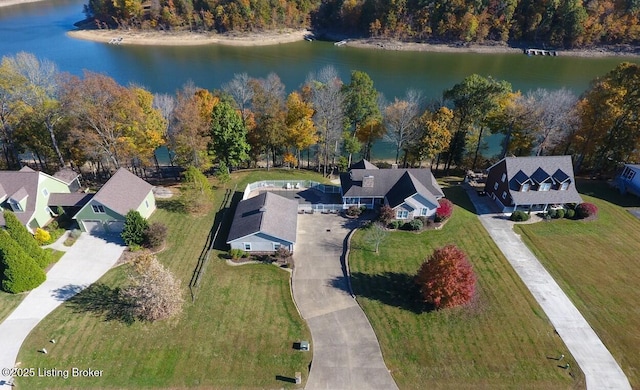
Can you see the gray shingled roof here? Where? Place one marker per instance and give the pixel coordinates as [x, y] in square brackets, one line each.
[407, 186]
[18, 183]
[385, 179]
[123, 192]
[67, 175]
[266, 213]
[362, 164]
[529, 165]
[74, 199]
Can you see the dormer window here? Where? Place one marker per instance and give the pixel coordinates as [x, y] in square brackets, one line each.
[564, 186]
[544, 187]
[525, 187]
[16, 207]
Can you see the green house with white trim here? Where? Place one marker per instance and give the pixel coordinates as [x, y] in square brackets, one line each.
[106, 211]
[27, 193]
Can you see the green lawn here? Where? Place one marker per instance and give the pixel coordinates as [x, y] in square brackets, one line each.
[597, 263]
[8, 302]
[239, 332]
[502, 340]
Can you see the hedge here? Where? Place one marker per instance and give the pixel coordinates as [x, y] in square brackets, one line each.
[21, 235]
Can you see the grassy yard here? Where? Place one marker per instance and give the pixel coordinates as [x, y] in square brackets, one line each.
[8, 302]
[597, 263]
[502, 340]
[239, 332]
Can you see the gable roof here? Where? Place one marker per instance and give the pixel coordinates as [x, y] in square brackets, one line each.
[266, 213]
[414, 180]
[362, 164]
[18, 184]
[538, 166]
[74, 199]
[124, 191]
[67, 175]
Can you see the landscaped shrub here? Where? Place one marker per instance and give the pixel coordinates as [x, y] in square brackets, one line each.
[386, 214]
[560, 214]
[395, 224]
[21, 235]
[354, 211]
[446, 278]
[570, 214]
[155, 235]
[552, 213]
[519, 216]
[586, 210]
[134, 229]
[444, 210]
[20, 272]
[415, 224]
[42, 236]
[235, 254]
[426, 221]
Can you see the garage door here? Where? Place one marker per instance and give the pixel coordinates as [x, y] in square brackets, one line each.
[115, 226]
[93, 227]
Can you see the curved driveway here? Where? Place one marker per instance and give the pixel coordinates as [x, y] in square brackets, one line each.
[346, 353]
[600, 369]
[82, 264]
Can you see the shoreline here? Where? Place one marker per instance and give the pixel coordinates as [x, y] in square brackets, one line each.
[7, 3]
[159, 38]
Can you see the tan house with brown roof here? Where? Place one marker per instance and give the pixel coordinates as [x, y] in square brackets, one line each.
[106, 211]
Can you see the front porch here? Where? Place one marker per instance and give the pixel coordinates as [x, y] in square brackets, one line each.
[368, 202]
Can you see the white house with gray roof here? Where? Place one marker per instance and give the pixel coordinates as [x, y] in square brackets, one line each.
[264, 223]
[410, 192]
[532, 183]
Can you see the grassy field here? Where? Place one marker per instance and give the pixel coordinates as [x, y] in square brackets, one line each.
[502, 340]
[597, 263]
[239, 332]
[8, 302]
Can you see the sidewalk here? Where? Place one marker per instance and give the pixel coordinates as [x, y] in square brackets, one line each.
[82, 264]
[596, 362]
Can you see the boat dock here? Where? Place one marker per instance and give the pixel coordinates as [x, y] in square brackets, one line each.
[340, 43]
[540, 52]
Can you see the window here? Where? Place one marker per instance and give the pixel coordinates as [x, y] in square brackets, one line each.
[247, 246]
[504, 177]
[424, 211]
[276, 246]
[16, 207]
[504, 194]
[97, 208]
[525, 187]
[402, 214]
[45, 192]
[564, 186]
[146, 203]
[495, 186]
[544, 187]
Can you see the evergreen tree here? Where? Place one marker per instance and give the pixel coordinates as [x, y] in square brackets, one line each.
[20, 272]
[134, 229]
[21, 235]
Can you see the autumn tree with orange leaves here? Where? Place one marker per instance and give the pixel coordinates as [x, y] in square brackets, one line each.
[446, 278]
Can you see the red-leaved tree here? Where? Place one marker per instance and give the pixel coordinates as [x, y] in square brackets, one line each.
[585, 210]
[386, 214]
[444, 210]
[446, 278]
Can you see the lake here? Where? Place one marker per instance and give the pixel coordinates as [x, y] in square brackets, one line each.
[40, 28]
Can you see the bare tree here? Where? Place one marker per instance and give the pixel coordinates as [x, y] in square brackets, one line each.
[240, 90]
[329, 116]
[551, 116]
[375, 234]
[166, 104]
[154, 293]
[400, 119]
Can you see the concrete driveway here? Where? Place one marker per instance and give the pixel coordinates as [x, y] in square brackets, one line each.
[346, 353]
[600, 368]
[84, 263]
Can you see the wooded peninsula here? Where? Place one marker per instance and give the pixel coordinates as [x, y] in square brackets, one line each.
[560, 24]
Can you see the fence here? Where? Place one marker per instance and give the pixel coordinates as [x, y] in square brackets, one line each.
[319, 208]
[291, 185]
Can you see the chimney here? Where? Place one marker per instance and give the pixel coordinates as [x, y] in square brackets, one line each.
[394, 166]
[367, 181]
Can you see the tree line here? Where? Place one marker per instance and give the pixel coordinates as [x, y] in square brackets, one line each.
[72, 120]
[561, 23]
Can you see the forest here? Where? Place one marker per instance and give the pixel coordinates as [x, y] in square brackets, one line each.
[62, 120]
[557, 23]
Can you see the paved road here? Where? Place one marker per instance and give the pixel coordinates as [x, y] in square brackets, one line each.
[346, 353]
[600, 368]
[84, 263]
